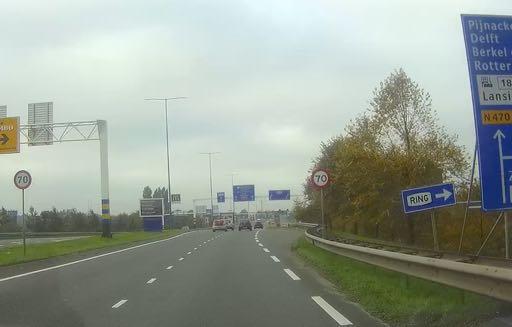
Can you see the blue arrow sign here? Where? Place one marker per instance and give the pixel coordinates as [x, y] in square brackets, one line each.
[279, 195]
[428, 197]
[489, 53]
[243, 193]
[221, 197]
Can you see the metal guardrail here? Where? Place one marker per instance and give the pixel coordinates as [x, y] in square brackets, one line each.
[492, 281]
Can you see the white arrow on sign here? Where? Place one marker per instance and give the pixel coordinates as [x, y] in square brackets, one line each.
[446, 194]
[499, 135]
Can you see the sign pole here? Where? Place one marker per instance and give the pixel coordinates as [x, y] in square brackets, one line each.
[24, 225]
[434, 230]
[324, 234]
[507, 239]
[468, 199]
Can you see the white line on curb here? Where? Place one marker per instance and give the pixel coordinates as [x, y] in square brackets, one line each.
[338, 317]
[291, 274]
[118, 304]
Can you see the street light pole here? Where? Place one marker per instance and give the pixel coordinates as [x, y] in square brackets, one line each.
[168, 156]
[233, 195]
[211, 183]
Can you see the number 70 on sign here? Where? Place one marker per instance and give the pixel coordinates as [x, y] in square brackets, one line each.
[320, 178]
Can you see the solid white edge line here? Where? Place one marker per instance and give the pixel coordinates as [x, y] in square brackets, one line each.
[169, 268]
[291, 274]
[266, 250]
[338, 317]
[118, 304]
[88, 259]
[151, 281]
[275, 258]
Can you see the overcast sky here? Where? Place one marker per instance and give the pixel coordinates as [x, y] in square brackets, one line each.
[266, 82]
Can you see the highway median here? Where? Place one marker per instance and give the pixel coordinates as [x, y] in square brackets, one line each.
[14, 254]
[398, 299]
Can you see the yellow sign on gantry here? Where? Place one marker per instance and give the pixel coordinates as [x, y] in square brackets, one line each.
[9, 135]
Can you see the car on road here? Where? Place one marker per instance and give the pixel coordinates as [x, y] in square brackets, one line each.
[245, 224]
[219, 224]
[229, 224]
[258, 224]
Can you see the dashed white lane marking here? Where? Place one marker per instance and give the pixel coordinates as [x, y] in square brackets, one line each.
[204, 242]
[180, 259]
[260, 244]
[118, 304]
[291, 274]
[90, 258]
[189, 252]
[200, 245]
[266, 250]
[151, 281]
[169, 268]
[195, 249]
[338, 317]
[275, 258]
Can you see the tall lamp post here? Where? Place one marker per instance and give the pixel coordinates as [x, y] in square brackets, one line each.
[168, 158]
[233, 196]
[211, 184]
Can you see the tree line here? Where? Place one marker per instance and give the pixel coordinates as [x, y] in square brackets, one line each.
[395, 144]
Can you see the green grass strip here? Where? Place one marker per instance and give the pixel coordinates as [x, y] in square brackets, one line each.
[398, 299]
[14, 254]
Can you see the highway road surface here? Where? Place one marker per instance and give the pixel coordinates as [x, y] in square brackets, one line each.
[196, 279]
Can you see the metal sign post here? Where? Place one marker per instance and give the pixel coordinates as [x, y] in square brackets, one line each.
[434, 230]
[321, 179]
[22, 180]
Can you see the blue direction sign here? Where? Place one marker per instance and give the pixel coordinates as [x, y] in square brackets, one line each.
[279, 195]
[243, 193]
[489, 52]
[428, 197]
[221, 197]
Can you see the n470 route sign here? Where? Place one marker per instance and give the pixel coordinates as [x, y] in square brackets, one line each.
[428, 197]
[9, 135]
[489, 53]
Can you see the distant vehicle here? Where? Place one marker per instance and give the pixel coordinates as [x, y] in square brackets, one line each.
[218, 224]
[229, 224]
[258, 224]
[245, 224]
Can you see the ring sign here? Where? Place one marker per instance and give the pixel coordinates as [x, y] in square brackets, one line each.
[320, 178]
[22, 179]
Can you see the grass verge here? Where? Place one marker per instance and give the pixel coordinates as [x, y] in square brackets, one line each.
[13, 255]
[398, 299]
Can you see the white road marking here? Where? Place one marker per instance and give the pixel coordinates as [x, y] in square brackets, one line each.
[189, 252]
[260, 244]
[204, 242]
[266, 250]
[338, 317]
[88, 259]
[180, 259]
[291, 274]
[151, 281]
[195, 249]
[169, 268]
[200, 245]
[275, 258]
[118, 304]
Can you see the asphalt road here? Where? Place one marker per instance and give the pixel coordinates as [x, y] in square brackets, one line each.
[196, 279]
[36, 240]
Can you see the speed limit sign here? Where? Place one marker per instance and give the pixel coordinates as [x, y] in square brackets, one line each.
[22, 179]
[320, 178]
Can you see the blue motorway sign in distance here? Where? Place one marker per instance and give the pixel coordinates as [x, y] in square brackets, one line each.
[489, 53]
[243, 193]
[221, 197]
[428, 197]
[279, 195]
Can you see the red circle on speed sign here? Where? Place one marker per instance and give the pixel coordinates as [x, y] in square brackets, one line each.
[320, 178]
[22, 179]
